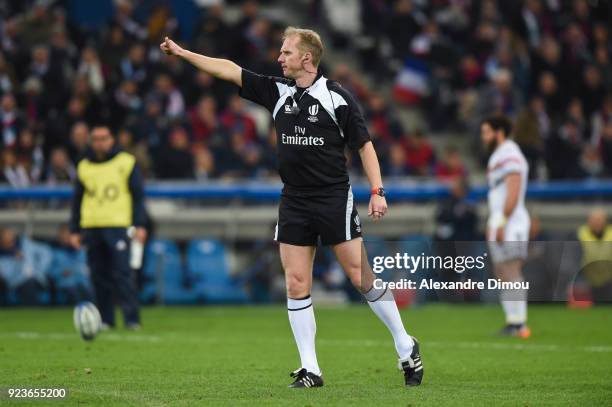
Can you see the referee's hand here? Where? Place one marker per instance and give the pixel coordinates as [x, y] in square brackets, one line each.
[377, 207]
[170, 47]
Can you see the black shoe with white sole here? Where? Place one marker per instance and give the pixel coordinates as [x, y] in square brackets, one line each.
[412, 366]
[304, 378]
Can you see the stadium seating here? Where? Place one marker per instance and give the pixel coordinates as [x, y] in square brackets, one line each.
[207, 267]
[70, 276]
[164, 275]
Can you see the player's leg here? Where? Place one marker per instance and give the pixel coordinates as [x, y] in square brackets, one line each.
[123, 278]
[514, 302]
[508, 258]
[100, 269]
[297, 263]
[353, 258]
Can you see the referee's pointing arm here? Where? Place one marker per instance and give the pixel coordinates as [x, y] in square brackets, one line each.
[268, 95]
[217, 67]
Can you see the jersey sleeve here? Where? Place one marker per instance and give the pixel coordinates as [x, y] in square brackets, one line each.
[350, 120]
[260, 89]
[509, 164]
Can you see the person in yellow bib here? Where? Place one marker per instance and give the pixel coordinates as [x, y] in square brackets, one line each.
[109, 199]
[596, 241]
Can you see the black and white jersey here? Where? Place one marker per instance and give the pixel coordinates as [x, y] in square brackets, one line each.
[313, 134]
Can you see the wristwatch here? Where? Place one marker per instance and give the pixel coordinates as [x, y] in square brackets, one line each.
[378, 191]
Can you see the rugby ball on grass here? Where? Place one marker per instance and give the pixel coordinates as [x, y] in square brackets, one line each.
[87, 320]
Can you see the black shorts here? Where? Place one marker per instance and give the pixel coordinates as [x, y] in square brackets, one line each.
[303, 219]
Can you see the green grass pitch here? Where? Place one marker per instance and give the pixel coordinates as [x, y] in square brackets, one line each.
[242, 356]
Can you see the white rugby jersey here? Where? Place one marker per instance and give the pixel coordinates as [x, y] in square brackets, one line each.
[505, 160]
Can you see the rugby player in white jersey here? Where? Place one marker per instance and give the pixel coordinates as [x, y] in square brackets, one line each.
[508, 223]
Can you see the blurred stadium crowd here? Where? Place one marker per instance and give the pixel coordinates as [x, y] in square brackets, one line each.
[66, 65]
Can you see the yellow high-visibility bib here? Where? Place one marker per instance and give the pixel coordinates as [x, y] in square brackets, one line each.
[596, 255]
[107, 201]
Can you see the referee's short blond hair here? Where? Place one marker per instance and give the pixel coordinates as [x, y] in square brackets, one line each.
[310, 41]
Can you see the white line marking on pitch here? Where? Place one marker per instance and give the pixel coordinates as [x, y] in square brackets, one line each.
[336, 342]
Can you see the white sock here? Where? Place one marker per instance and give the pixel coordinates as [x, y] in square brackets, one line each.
[304, 327]
[383, 304]
[514, 303]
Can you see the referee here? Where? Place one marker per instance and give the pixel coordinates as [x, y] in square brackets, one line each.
[315, 119]
[108, 199]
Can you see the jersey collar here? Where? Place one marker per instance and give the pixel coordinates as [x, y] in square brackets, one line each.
[315, 83]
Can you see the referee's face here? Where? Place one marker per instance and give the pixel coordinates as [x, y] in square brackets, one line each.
[290, 57]
[101, 140]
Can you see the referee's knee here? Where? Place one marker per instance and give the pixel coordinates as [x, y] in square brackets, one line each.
[298, 286]
[354, 274]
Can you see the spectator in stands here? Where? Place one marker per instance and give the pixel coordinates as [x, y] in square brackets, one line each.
[112, 51]
[547, 58]
[23, 264]
[35, 28]
[590, 163]
[63, 53]
[593, 92]
[69, 274]
[35, 107]
[60, 126]
[127, 103]
[60, 170]
[451, 166]
[203, 119]
[606, 148]
[79, 139]
[384, 124]
[125, 139]
[396, 164]
[456, 218]
[212, 32]
[9, 244]
[13, 172]
[205, 84]
[241, 157]
[125, 19]
[500, 96]
[204, 164]
[268, 164]
[30, 154]
[9, 254]
[596, 241]
[11, 120]
[8, 79]
[548, 88]
[532, 131]
[601, 119]
[91, 69]
[236, 119]
[343, 74]
[420, 154]
[51, 75]
[565, 152]
[404, 24]
[176, 162]
[173, 104]
[152, 127]
[134, 65]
